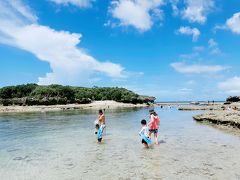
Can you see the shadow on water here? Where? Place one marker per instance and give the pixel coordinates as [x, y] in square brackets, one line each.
[161, 142]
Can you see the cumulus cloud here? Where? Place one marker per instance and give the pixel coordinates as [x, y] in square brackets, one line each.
[194, 32]
[69, 64]
[78, 3]
[196, 68]
[233, 23]
[194, 10]
[139, 14]
[231, 86]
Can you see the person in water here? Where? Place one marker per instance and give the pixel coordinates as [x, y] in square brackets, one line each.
[144, 134]
[100, 120]
[101, 117]
[99, 133]
[154, 125]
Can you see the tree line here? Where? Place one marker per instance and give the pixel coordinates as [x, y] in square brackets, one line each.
[33, 94]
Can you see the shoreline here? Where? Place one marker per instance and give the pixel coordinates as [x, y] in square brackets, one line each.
[203, 106]
[220, 118]
[94, 105]
[220, 115]
[215, 114]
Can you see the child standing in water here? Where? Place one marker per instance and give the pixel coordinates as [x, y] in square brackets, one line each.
[100, 121]
[144, 134]
[99, 133]
[154, 125]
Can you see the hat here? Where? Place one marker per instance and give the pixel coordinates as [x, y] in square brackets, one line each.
[151, 111]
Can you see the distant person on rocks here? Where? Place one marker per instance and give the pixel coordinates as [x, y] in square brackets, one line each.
[154, 125]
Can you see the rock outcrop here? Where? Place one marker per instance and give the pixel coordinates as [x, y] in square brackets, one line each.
[221, 118]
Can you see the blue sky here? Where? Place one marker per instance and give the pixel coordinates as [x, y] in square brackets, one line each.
[171, 49]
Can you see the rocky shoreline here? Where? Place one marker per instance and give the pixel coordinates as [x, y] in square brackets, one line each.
[204, 107]
[220, 114]
[231, 119]
[94, 105]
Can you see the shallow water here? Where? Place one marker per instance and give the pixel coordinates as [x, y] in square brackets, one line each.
[62, 145]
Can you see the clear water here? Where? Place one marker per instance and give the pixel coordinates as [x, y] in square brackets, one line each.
[62, 145]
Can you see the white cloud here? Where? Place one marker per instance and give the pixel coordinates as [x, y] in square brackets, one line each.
[213, 46]
[231, 86]
[197, 10]
[212, 43]
[233, 23]
[139, 14]
[219, 27]
[175, 8]
[79, 3]
[196, 68]
[69, 64]
[194, 32]
[15, 10]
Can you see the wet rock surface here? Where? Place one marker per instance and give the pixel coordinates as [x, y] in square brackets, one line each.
[231, 119]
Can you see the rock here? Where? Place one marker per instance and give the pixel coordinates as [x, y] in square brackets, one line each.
[220, 118]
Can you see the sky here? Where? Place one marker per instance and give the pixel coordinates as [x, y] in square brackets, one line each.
[175, 50]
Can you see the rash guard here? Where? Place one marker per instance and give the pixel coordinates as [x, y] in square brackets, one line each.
[154, 122]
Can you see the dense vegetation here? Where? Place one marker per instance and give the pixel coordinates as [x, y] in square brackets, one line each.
[33, 94]
[231, 99]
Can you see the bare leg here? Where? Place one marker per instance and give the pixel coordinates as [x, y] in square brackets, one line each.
[156, 138]
[150, 134]
[145, 145]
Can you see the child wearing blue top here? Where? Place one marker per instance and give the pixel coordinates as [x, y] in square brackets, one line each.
[144, 133]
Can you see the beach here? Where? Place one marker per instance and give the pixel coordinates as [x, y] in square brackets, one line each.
[94, 105]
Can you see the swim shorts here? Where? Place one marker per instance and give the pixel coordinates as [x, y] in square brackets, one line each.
[144, 142]
[155, 131]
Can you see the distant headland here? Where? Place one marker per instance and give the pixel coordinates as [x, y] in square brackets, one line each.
[33, 95]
